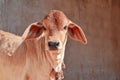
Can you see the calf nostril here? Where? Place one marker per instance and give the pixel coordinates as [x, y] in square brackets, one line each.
[57, 43]
[50, 43]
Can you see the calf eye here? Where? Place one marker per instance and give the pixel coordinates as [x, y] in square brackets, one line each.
[43, 27]
[65, 27]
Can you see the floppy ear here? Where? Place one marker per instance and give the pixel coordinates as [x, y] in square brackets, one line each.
[34, 30]
[76, 33]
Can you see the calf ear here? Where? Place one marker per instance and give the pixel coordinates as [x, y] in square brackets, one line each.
[34, 30]
[76, 33]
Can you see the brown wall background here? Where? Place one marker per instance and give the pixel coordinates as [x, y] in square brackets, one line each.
[100, 20]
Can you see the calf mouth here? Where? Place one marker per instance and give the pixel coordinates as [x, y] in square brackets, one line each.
[53, 48]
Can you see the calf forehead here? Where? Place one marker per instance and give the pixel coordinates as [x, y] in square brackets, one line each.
[55, 19]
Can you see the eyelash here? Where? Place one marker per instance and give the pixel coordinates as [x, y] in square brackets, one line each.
[65, 27]
[43, 27]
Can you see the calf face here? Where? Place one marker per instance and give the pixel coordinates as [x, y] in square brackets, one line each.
[55, 27]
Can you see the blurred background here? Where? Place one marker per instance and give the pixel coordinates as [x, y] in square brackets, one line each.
[99, 19]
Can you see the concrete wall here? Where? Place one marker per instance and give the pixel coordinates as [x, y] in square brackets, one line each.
[100, 20]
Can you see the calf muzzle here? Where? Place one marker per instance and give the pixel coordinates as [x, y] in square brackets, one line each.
[53, 45]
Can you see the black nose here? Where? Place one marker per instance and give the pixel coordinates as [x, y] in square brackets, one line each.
[53, 44]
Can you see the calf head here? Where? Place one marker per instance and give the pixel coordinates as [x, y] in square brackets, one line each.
[55, 27]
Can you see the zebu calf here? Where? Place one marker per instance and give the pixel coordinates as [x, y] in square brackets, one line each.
[39, 53]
